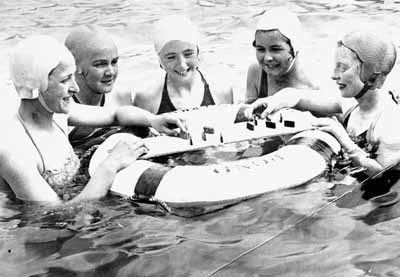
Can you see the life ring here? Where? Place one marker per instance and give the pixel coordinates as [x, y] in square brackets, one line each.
[303, 158]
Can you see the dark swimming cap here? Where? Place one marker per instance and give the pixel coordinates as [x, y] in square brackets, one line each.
[377, 54]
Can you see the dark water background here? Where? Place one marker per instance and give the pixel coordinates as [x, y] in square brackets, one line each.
[120, 238]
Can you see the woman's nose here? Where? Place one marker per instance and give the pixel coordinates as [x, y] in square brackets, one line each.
[268, 57]
[181, 61]
[74, 88]
[335, 75]
[110, 70]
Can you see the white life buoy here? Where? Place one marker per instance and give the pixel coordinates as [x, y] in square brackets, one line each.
[303, 158]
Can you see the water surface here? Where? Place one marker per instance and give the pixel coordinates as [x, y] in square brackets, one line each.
[120, 238]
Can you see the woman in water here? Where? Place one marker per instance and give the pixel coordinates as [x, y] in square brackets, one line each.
[368, 133]
[96, 57]
[36, 160]
[183, 85]
[277, 43]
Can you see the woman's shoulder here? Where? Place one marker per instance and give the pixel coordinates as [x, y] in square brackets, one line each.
[147, 94]
[221, 82]
[254, 68]
[386, 127]
[14, 142]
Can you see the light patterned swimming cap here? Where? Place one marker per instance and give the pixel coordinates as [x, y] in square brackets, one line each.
[174, 27]
[377, 53]
[286, 23]
[32, 61]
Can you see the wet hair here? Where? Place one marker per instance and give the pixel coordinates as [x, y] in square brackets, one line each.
[276, 31]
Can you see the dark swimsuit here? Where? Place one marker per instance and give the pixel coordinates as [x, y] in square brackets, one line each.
[263, 89]
[167, 106]
[83, 137]
[363, 140]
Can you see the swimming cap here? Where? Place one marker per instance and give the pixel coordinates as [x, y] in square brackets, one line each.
[174, 27]
[286, 23]
[84, 39]
[32, 61]
[377, 54]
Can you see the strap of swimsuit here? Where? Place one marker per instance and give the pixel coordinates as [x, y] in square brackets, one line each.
[207, 96]
[165, 104]
[33, 141]
[346, 116]
[263, 91]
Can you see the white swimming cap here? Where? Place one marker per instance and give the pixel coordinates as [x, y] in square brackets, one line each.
[32, 61]
[286, 23]
[174, 27]
[376, 52]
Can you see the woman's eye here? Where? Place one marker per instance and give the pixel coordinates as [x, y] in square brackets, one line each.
[114, 62]
[342, 68]
[170, 57]
[66, 79]
[100, 64]
[188, 54]
[276, 49]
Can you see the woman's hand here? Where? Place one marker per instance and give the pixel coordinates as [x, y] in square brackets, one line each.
[168, 124]
[335, 128]
[124, 153]
[285, 98]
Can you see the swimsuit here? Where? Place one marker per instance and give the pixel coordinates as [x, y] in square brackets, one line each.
[363, 140]
[59, 178]
[167, 106]
[263, 91]
[84, 137]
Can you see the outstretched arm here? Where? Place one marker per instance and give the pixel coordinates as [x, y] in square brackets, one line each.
[302, 99]
[164, 123]
[124, 116]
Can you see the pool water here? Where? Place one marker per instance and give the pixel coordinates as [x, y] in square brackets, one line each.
[300, 232]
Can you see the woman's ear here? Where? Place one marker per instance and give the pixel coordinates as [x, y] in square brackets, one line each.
[379, 81]
[160, 63]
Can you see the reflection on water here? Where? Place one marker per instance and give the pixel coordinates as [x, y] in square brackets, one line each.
[122, 238]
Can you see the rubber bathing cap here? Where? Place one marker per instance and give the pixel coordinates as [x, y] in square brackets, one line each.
[32, 61]
[286, 23]
[377, 53]
[174, 27]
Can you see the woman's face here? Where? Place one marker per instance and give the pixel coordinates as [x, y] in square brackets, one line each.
[273, 52]
[61, 86]
[347, 72]
[180, 60]
[100, 67]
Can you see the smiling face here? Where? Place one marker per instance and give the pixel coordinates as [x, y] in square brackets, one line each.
[347, 72]
[273, 52]
[61, 87]
[100, 67]
[180, 60]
